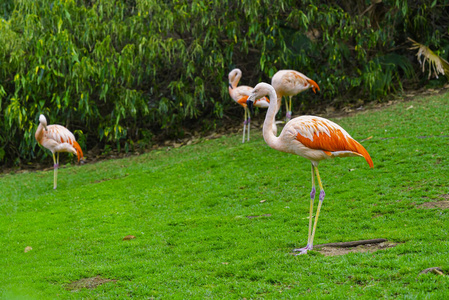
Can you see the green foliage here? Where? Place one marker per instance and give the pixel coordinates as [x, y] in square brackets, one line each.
[203, 232]
[122, 71]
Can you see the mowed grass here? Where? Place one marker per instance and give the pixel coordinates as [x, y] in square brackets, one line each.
[189, 207]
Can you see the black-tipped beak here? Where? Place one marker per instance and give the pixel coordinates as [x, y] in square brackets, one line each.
[230, 85]
[250, 105]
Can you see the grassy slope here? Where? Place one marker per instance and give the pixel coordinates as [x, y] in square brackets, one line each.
[188, 207]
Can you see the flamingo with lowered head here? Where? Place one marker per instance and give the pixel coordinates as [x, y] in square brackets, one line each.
[313, 138]
[57, 138]
[240, 94]
[290, 83]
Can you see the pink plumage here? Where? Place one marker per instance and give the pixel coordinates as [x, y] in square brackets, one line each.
[311, 137]
[57, 138]
[240, 94]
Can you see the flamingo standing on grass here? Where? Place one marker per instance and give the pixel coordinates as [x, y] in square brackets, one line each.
[57, 138]
[311, 137]
[240, 94]
[290, 83]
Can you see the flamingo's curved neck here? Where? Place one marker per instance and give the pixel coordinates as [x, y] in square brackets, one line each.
[236, 80]
[39, 133]
[268, 134]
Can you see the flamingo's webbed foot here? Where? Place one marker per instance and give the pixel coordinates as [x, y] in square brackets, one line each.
[303, 250]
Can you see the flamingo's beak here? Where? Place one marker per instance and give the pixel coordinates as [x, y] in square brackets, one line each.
[230, 85]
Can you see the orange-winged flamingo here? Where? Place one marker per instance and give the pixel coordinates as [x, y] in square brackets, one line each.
[240, 94]
[311, 137]
[57, 138]
[290, 83]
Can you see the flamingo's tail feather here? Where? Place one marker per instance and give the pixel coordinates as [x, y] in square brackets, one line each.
[79, 152]
[362, 151]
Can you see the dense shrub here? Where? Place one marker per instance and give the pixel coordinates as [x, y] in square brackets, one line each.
[119, 72]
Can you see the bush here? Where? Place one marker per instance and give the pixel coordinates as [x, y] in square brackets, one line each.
[120, 72]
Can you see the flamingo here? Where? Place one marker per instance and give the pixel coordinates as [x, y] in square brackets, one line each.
[57, 138]
[240, 94]
[313, 138]
[290, 83]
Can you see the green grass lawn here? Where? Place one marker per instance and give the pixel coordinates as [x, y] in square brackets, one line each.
[189, 208]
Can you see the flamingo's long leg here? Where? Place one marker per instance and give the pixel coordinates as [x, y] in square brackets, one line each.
[322, 194]
[249, 123]
[286, 106]
[55, 171]
[244, 126]
[289, 111]
[312, 198]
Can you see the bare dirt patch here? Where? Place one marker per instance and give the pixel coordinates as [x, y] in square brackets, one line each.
[436, 204]
[337, 250]
[88, 283]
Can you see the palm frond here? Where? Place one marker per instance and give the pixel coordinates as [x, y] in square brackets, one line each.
[437, 65]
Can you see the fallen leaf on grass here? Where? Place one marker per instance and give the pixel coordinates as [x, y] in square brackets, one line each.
[129, 237]
[368, 138]
[27, 249]
[410, 107]
[262, 201]
[435, 270]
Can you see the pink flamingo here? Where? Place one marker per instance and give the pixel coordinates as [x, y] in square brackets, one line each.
[57, 138]
[290, 83]
[311, 137]
[240, 94]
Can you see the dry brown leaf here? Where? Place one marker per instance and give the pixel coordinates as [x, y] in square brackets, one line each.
[27, 249]
[436, 65]
[368, 138]
[436, 270]
[129, 237]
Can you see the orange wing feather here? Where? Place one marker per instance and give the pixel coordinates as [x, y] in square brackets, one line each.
[337, 141]
[62, 134]
[242, 101]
